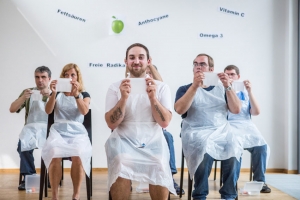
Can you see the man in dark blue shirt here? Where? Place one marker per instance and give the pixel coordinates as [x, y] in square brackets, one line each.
[206, 133]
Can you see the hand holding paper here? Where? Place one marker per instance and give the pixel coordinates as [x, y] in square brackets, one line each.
[151, 88]
[75, 88]
[248, 85]
[26, 94]
[125, 88]
[224, 78]
[198, 79]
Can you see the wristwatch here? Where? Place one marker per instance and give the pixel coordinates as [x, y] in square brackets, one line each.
[228, 88]
[77, 97]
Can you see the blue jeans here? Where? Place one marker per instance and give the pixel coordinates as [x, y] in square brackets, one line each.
[230, 170]
[259, 160]
[170, 142]
[26, 161]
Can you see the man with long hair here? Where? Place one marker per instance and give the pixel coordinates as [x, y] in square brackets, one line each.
[136, 149]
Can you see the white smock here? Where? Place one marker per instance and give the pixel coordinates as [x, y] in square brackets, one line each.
[137, 149]
[33, 134]
[206, 129]
[246, 131]
[68, 137]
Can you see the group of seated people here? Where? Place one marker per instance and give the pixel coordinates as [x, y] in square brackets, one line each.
[216, 125]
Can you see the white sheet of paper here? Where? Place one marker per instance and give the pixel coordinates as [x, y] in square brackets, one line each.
[63, 85]
[36, 95]
[238, 86]
[211, 79]
[138, 86]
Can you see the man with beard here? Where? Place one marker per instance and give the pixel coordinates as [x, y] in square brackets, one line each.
[136, 149]
[33, 134]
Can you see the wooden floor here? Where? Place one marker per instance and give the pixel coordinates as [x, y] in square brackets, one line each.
[9, 191]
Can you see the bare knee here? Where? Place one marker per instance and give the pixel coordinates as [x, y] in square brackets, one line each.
[55, 161]
[76, 160]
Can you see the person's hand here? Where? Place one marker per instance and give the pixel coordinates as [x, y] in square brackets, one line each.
[198, 79]
[53, 86]
[151, 88]
[27, 93]
[45, 92]
[224, 78]
[125, 88]
[75, 88]
[248, 85]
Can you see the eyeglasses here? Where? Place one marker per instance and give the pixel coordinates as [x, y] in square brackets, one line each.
[202, 64]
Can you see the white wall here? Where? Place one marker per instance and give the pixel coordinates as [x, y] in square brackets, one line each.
[262, 44]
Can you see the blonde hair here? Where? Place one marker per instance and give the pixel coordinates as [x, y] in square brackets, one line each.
[153, 70]
[79, 76]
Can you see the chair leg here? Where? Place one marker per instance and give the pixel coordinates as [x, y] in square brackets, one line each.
[215, 174]
[109, 196]
[88, 187]
[91, 177]
[62, 170]
[251, 168]
[181, 174]
[221, 175]
[46, 182]
[42, 179]
[169, 196]
[190, 186]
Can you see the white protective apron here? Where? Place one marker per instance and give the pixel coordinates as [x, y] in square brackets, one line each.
[33, 134]
[246, 131]
[137, 149]
[68, 137]
[206, 129]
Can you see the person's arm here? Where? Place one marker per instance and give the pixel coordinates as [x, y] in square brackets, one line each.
[184, 103]
[254, 110]
[51, 102]
[83, 105]
[20, 102]
[116, 115]
[161, 114]
[233, 102]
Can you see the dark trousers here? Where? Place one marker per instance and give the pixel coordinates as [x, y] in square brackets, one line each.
[26, 161]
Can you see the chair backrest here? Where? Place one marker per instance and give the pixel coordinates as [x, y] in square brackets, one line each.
[87, 123]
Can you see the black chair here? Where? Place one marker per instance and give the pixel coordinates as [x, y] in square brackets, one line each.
[44, 178]
[190, 181]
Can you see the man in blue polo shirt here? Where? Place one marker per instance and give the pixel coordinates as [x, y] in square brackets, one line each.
[206, 133]
[249, 135]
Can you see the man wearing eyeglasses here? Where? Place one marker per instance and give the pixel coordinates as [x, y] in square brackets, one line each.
[247, 132]
[206, 133]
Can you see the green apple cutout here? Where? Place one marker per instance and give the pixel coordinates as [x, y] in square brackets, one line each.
[117, 25]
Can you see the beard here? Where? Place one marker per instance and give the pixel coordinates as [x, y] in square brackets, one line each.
[137, 73]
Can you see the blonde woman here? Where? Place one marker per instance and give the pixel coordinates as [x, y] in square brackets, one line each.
[68, 137]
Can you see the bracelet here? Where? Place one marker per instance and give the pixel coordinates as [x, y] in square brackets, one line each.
[77, 97]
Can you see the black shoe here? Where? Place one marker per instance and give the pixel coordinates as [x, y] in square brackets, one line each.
[177, 188]
[22, 186]
[265, 189]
